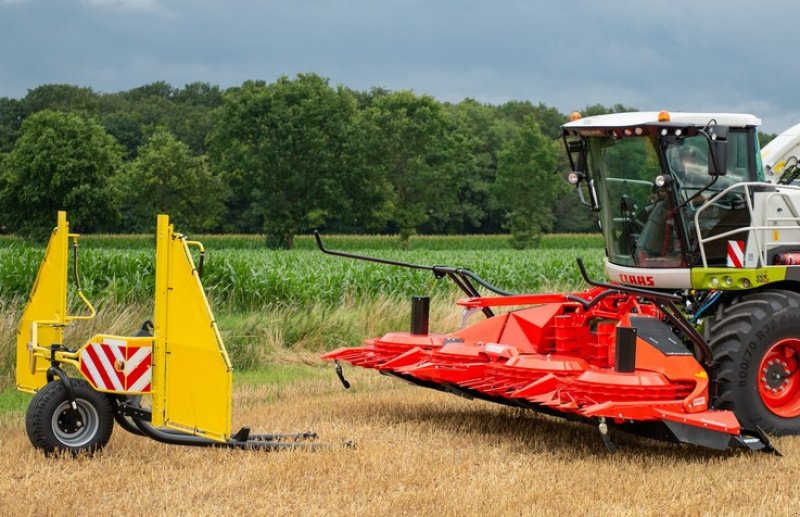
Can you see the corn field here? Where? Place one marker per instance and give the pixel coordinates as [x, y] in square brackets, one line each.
[241, 278]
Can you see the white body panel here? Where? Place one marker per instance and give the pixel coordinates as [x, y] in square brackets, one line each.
[777, 215]
[775, 154]
[661, 278]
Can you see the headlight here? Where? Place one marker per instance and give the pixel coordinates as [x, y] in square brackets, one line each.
[662, 180]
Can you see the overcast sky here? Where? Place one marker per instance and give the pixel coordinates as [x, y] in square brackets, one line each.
[735, 55]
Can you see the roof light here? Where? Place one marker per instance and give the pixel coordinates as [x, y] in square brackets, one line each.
[678, 132]
[628, 131]
[638, 131]
[663, 116]
[574, 177]
[575, 115]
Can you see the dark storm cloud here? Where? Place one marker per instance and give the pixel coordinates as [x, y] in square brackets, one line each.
[680, 55]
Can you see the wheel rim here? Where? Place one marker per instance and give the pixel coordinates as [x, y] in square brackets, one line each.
[68, 430]
[779, 380]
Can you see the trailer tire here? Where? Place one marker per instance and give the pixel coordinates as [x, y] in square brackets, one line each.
[52, 426]
[755, 339]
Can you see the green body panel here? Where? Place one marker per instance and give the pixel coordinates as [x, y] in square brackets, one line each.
[736, 279]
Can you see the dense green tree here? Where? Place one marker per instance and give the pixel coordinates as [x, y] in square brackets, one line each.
[282, 148]
[158, 89]
[484, 130]
[61, 161]
[12, 113]
[527, 183]
[61, 97]
[549, 119]
[165, 178]
[599, 109]
[412, 147]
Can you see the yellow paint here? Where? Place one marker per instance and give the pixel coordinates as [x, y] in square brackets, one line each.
[45, 314]
[776, 235]
[192, 376]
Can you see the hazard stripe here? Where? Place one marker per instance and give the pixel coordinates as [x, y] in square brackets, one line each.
[735, 254]
[142, 383]
[102, 376]
[138, 370]
[97, 365]
[91, 370]
[142, 354]
[108, 367]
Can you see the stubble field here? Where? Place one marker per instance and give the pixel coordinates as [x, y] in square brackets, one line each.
[417, 452]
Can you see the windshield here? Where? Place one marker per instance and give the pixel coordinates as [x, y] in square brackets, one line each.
[637, 218]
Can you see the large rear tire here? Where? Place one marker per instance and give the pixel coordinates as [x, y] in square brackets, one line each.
[756, 343]
[53, 426]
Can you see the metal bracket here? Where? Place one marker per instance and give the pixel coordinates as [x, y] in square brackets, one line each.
[603, 428]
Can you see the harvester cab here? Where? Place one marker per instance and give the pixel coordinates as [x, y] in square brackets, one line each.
[648, 176]
[171, 381]
[696, 338]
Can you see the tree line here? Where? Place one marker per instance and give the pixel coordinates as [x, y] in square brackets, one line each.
[283, 158]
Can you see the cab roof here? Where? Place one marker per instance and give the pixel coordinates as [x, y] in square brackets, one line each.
[650, 118]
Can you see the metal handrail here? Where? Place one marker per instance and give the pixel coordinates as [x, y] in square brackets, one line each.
[754, 230]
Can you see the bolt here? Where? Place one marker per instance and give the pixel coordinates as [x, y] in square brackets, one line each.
[771, 362]
[774, 390]
[763, 370]
[763, 379]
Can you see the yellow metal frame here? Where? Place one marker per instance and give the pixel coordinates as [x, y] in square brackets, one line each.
[192, 375]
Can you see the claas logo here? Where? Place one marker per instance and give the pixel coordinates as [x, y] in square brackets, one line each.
[647, 281]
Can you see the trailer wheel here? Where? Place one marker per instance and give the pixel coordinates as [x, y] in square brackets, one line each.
[756, 343]
[53, 426]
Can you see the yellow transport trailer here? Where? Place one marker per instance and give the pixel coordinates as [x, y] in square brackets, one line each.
[177, 362]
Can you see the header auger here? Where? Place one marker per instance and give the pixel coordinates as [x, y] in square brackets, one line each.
[178, 361]
[696, 339]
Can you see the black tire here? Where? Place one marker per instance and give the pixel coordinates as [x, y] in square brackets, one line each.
[51, 424]
[741, 333]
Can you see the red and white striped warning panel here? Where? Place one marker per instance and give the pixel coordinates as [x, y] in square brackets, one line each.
[117, 365]
[735, 253]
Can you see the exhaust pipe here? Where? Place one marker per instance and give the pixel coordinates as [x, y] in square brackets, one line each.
[625, 356]
[420, 314]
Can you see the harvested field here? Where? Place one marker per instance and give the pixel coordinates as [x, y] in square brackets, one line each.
[419, 452]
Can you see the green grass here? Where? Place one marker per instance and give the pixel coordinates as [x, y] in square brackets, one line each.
[280, 375]
[13, 401]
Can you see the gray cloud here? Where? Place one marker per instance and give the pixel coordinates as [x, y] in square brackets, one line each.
[682, 55]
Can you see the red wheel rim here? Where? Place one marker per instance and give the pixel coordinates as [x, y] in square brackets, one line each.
[779, 378]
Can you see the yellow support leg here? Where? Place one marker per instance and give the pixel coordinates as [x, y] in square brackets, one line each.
[45, 315]
[192, 373]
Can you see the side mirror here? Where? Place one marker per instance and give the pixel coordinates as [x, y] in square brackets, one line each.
[719, 155]
[719, 150]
